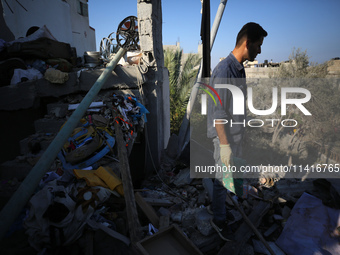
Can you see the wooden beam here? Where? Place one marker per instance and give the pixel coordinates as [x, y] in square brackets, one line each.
[158, 201]
[131, 208]
[245, 231]
[147, 209]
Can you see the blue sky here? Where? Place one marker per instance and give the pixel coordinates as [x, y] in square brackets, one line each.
[311, 25]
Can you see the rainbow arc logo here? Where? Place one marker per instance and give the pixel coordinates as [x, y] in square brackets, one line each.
[204, 97]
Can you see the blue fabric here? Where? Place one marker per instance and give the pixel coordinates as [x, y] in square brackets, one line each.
[228, 71]
[220, 192]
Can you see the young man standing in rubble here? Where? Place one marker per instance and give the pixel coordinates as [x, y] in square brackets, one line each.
[228, 140]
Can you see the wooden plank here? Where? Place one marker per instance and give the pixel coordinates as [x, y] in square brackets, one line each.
[164, 222]
[245, 231]
[131, 208]
[147, 209]
[158, 201]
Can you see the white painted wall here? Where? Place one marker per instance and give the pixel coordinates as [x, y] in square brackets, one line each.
[60, 17]
[83, 36]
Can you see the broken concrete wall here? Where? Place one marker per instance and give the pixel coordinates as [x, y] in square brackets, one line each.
[156, 90]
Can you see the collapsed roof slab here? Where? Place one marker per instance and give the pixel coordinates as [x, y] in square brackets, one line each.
[25, 94]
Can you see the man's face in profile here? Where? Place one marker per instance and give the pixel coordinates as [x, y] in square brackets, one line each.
[254, 48]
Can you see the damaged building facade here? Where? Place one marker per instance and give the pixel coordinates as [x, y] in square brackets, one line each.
[68, 21]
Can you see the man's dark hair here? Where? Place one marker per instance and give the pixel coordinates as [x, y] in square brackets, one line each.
[251, 31]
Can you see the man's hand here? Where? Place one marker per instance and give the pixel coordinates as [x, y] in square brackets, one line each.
[225, 154]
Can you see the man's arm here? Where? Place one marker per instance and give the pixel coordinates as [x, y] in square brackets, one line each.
[225, 149]
[221, 133]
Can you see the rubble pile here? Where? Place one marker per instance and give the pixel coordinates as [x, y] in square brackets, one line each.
[274, 207]
[40, 56]
[80, 204]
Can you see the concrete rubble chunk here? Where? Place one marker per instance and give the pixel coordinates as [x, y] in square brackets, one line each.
[35, 143]
[57, 110]
[247, 249]
[188, 219]
[201, 200]
[182, 178]
[164, 222]
[271, 230]
[176, 217]
[236, 214]
[278, 217]
[290, 188]
[191, 190]
[260, 248]
[206, 243]
[164, 212]
[203, 222]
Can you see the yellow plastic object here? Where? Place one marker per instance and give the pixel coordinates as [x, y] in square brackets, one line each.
[89, 176]
[103, 176]
[110, 178]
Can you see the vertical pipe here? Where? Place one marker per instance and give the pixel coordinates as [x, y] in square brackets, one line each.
[205, 36]
[185, 124]
[19, 199]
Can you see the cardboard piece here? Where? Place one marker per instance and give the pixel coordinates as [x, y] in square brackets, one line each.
[169, 241]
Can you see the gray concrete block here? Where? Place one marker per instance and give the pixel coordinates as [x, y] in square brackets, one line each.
[203, 222]
[164, 212]
[188, 219]
[206, 243]
[176, 217]
[201, 200]
[182, 178]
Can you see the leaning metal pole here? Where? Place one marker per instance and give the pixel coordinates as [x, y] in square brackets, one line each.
[19, 199]
[184, 129]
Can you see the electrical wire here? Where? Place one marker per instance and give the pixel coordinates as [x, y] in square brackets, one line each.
[141, 91]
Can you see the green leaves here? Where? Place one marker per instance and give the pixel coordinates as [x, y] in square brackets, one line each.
[182, 73]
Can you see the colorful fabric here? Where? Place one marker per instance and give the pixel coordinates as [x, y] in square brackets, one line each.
[235, 185]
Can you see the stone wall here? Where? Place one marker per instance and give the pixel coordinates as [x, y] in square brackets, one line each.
[260, 72]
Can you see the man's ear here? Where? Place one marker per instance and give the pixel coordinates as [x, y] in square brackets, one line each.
[248, 43]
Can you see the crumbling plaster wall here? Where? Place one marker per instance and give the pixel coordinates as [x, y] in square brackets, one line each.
[156, 89]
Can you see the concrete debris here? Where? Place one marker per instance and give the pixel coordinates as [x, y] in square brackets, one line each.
[177, 217]
[202, 218]
[207, 244]
[182, 178]
[260, 248]
[271, 230]
[164, 212]
[247, 249]
[170, 197]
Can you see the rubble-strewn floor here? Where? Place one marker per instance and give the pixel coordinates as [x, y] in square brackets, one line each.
[168, 197]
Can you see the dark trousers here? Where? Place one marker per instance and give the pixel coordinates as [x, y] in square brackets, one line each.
[219, 191]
